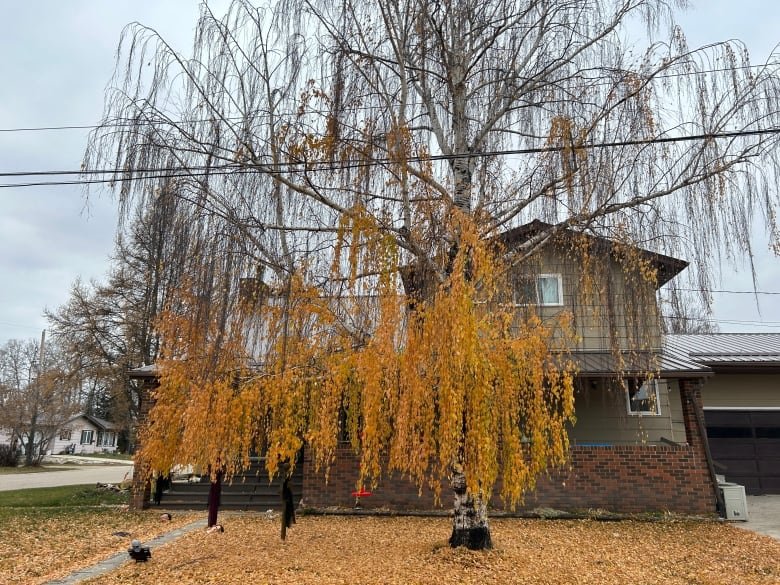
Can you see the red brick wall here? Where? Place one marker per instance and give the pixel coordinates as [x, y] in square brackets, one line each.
[627, 478]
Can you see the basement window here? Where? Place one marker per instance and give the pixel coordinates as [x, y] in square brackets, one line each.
[642, 397]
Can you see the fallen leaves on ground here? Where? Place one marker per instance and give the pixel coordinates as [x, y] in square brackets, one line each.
[39, 545]
[352, 550]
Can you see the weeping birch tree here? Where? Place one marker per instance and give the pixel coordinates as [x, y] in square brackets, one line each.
[359, 163]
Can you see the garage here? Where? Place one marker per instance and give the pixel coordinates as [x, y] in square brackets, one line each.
[745, 447]
[740, 392]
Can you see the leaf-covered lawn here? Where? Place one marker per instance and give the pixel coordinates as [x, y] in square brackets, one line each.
[327, 550]
[37, 545]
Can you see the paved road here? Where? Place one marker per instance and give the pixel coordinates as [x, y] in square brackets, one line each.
[84, 474]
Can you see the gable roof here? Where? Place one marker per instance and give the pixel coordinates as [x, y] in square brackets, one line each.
[667, 267]
[101, 424]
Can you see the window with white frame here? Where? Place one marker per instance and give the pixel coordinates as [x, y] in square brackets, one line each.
[86, 437]
[642, 397]
[106, 439]
[544, 290]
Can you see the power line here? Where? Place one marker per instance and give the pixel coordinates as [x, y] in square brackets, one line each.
[179, 175]
[726, 321]
[18, 325]
[234, 166]
[329, 166]
[129, 123]
[730, 292]
[64, 127]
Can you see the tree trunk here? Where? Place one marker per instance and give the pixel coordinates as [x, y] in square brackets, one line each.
[30, 452]
[215, 495]
[288, 507]
[470, 523]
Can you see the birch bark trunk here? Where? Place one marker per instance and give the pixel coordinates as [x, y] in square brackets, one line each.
[470, 521]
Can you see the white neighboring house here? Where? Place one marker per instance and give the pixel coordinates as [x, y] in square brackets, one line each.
[85, 434]
[5, 436]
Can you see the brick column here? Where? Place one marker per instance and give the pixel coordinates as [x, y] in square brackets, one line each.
[693, 418]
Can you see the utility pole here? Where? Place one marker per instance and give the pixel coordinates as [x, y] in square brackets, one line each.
[40, 357]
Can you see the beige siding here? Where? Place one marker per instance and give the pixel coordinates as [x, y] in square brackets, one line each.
[602, 416]
[742, 390]
[608, 314]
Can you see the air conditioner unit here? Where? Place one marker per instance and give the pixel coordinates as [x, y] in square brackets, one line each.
[734, 498]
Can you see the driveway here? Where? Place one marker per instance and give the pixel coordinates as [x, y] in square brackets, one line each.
[763, 515]
[81, 475]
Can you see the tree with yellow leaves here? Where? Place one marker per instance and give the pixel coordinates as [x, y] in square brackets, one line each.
[352, 172]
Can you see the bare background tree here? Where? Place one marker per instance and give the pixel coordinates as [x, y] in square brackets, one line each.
[38, 394]
[296, 124]
[107, 328]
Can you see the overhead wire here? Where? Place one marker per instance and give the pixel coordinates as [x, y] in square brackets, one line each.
[722, 291]
[121, 124]
[329, 166]
[752, 323]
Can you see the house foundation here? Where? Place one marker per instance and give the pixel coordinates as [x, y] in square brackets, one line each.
[619, 478]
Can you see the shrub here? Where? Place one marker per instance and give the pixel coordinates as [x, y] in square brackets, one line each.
[9, 457]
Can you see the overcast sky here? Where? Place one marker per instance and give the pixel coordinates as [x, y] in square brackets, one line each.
[56, 58]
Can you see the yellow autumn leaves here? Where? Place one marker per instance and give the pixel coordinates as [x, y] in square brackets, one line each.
[460, 378]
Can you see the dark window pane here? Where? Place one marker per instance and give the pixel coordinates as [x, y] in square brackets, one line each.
[525, 291]
[642, 396]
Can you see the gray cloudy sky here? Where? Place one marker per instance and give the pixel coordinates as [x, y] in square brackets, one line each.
[57, 57]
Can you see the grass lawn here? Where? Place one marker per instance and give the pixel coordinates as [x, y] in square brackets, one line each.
[367, 550]
[45, 533]
[68, 496]
[117, 456]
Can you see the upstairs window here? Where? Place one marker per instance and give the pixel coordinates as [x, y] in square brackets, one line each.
[642, 397]
[544, 290]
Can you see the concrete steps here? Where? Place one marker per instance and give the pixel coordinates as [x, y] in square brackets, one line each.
[249, 490]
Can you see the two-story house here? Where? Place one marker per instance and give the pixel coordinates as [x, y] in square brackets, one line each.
[639, 442]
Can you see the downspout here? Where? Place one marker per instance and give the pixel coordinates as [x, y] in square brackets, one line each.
[720, 501]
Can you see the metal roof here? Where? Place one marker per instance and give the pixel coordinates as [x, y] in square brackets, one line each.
[681, 355]
[597, 363]
[722, 349]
